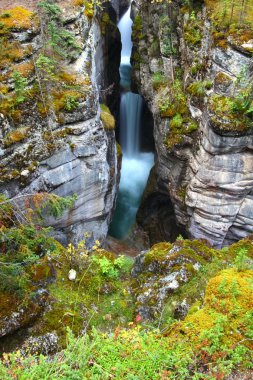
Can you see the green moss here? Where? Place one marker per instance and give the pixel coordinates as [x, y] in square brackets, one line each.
[222, 79]
[105, 22]
[137, 33]
[220, 323]
[174, 101]
[195, 258]
[193, 30]
[198, 89]
[176, 122]
[154, 49]
[213, 341]
[94, 296]
[182, 192]
[158, 80]
[107, 118]
[16, 136]
[12, 51]
[157, 252]
[119, 150]
[67, 100]
[230, 114]
[196, 68]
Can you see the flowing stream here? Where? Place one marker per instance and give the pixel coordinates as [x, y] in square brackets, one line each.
[136, 165]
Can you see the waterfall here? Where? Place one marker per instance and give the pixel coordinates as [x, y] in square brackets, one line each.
[130, 121]
[125, 28]
[136, 165]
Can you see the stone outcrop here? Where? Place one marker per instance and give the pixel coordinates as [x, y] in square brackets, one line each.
[163, 272]
[64, 148]
[206, 174]
[169, 279]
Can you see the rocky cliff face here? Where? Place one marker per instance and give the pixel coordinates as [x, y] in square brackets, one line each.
[195, 77]
[52, 137]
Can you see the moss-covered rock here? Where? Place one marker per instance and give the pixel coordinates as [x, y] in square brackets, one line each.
[16, 19]
[163, 271]
[230, 114]
[99, 296]
[169, 280]
[107, 118]
[223, 325]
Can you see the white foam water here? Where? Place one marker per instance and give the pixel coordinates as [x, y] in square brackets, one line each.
[135, 165]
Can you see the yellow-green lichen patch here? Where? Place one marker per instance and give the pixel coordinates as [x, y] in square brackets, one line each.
[157, 252]
[159, 80]
[119, 150]
[12, 51]
[17, 18]
[66, 100]
[245, 244]
[78, 3]
[107, 118]
[68, 91]
[26, 69]
[89, 9]
[223, 322]
[171, 278]
[16, 136]
[22, 270]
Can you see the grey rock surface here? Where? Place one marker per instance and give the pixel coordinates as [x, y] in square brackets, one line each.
[208, 177]
[78, 156]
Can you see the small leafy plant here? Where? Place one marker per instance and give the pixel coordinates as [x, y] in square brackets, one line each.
[20, 87]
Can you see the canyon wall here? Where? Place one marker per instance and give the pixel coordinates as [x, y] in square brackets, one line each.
[190, 72]
[52, 135]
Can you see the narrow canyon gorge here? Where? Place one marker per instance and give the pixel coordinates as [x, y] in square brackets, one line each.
[126, 189]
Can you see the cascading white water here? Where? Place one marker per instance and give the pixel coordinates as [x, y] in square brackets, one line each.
[125, 28]
[130, 120]
[135, 165]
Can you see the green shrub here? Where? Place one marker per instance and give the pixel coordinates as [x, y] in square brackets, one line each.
[71, 103]
[22, 239]
[20, 87]
[241, 261]
[158, 80]
[111, 268]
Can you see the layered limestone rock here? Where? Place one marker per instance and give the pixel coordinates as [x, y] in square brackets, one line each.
[52, 140]
[204, 156]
